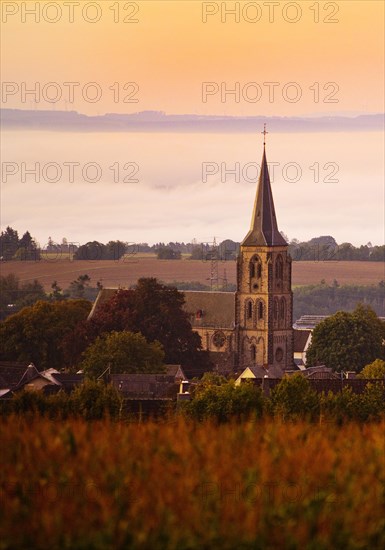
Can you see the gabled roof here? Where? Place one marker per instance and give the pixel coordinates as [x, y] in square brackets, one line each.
[49, 374]
[210, 309]
[173, 370]
[261, 372]
[30, 374]
[264, 228]
[301, 338]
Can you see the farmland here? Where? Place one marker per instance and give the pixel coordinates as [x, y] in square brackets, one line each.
[256, 484]
[127, 271]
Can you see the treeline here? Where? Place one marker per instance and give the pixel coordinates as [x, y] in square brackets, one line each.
[293, 398]
[14, 248]
[14, 295]
[323, 299]
[324, 248]
[214, 398]
[90, 400]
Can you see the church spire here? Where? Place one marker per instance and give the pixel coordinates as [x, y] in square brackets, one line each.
[264, 228]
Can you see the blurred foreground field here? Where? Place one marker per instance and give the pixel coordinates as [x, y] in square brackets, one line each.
[104, 485]
[127, 271]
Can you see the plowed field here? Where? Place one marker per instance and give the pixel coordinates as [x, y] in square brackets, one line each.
[126, 272]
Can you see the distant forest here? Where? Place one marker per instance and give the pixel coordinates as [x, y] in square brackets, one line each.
[325, 248]
[321, 299]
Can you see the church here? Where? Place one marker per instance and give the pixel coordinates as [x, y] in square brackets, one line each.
[253, 326]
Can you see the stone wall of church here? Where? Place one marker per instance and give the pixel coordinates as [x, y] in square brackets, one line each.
[264, 307]
[221, 345]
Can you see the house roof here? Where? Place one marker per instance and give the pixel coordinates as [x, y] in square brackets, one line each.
[260, 372]
[309, 321]
[319, 372]
[172, 370]
[11, 373]
[217, 308]
[49, 374]
[145, 385]
[301, 338]
[264, 228]
[30, 373]
[68, 380]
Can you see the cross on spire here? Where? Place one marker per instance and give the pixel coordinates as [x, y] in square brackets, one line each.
[264, 134]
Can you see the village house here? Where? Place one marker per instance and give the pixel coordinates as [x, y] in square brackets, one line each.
[302, 340]
[18, 376]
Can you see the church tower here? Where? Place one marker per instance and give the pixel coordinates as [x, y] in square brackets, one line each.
[264, 300]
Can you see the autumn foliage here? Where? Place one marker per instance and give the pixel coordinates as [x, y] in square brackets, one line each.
[155, 310]
[106, 485]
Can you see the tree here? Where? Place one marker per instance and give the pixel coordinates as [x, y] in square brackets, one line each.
[167, 253]
[114, 250]
[29, 294]
[14, 296]
[293, 397]
[348, 341]
[156, 311]
[36, 333]
[78, 287]
[9, 243]
[122, 352]
[9, 294]
[57, 293]
[95, 400]
[196, 253]
[373, 370]
[217, 399]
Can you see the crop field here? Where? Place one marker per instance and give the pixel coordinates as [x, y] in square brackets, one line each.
[126, 272]
[179, 485]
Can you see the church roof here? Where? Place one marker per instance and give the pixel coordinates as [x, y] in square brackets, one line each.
[104, 295]
[210, 309]
[205, 309]
[264, 228]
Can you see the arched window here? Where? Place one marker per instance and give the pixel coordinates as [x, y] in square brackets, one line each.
[249, 310]
[279, 355]
[260, 310]
[255, 267]
[276, 307]
[198, 314]
[279, 268]
[253, 353]
[282, 308]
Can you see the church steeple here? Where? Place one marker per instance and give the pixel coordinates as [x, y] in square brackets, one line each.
[264, 227]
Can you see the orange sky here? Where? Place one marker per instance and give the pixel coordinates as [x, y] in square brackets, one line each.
[170, 52]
